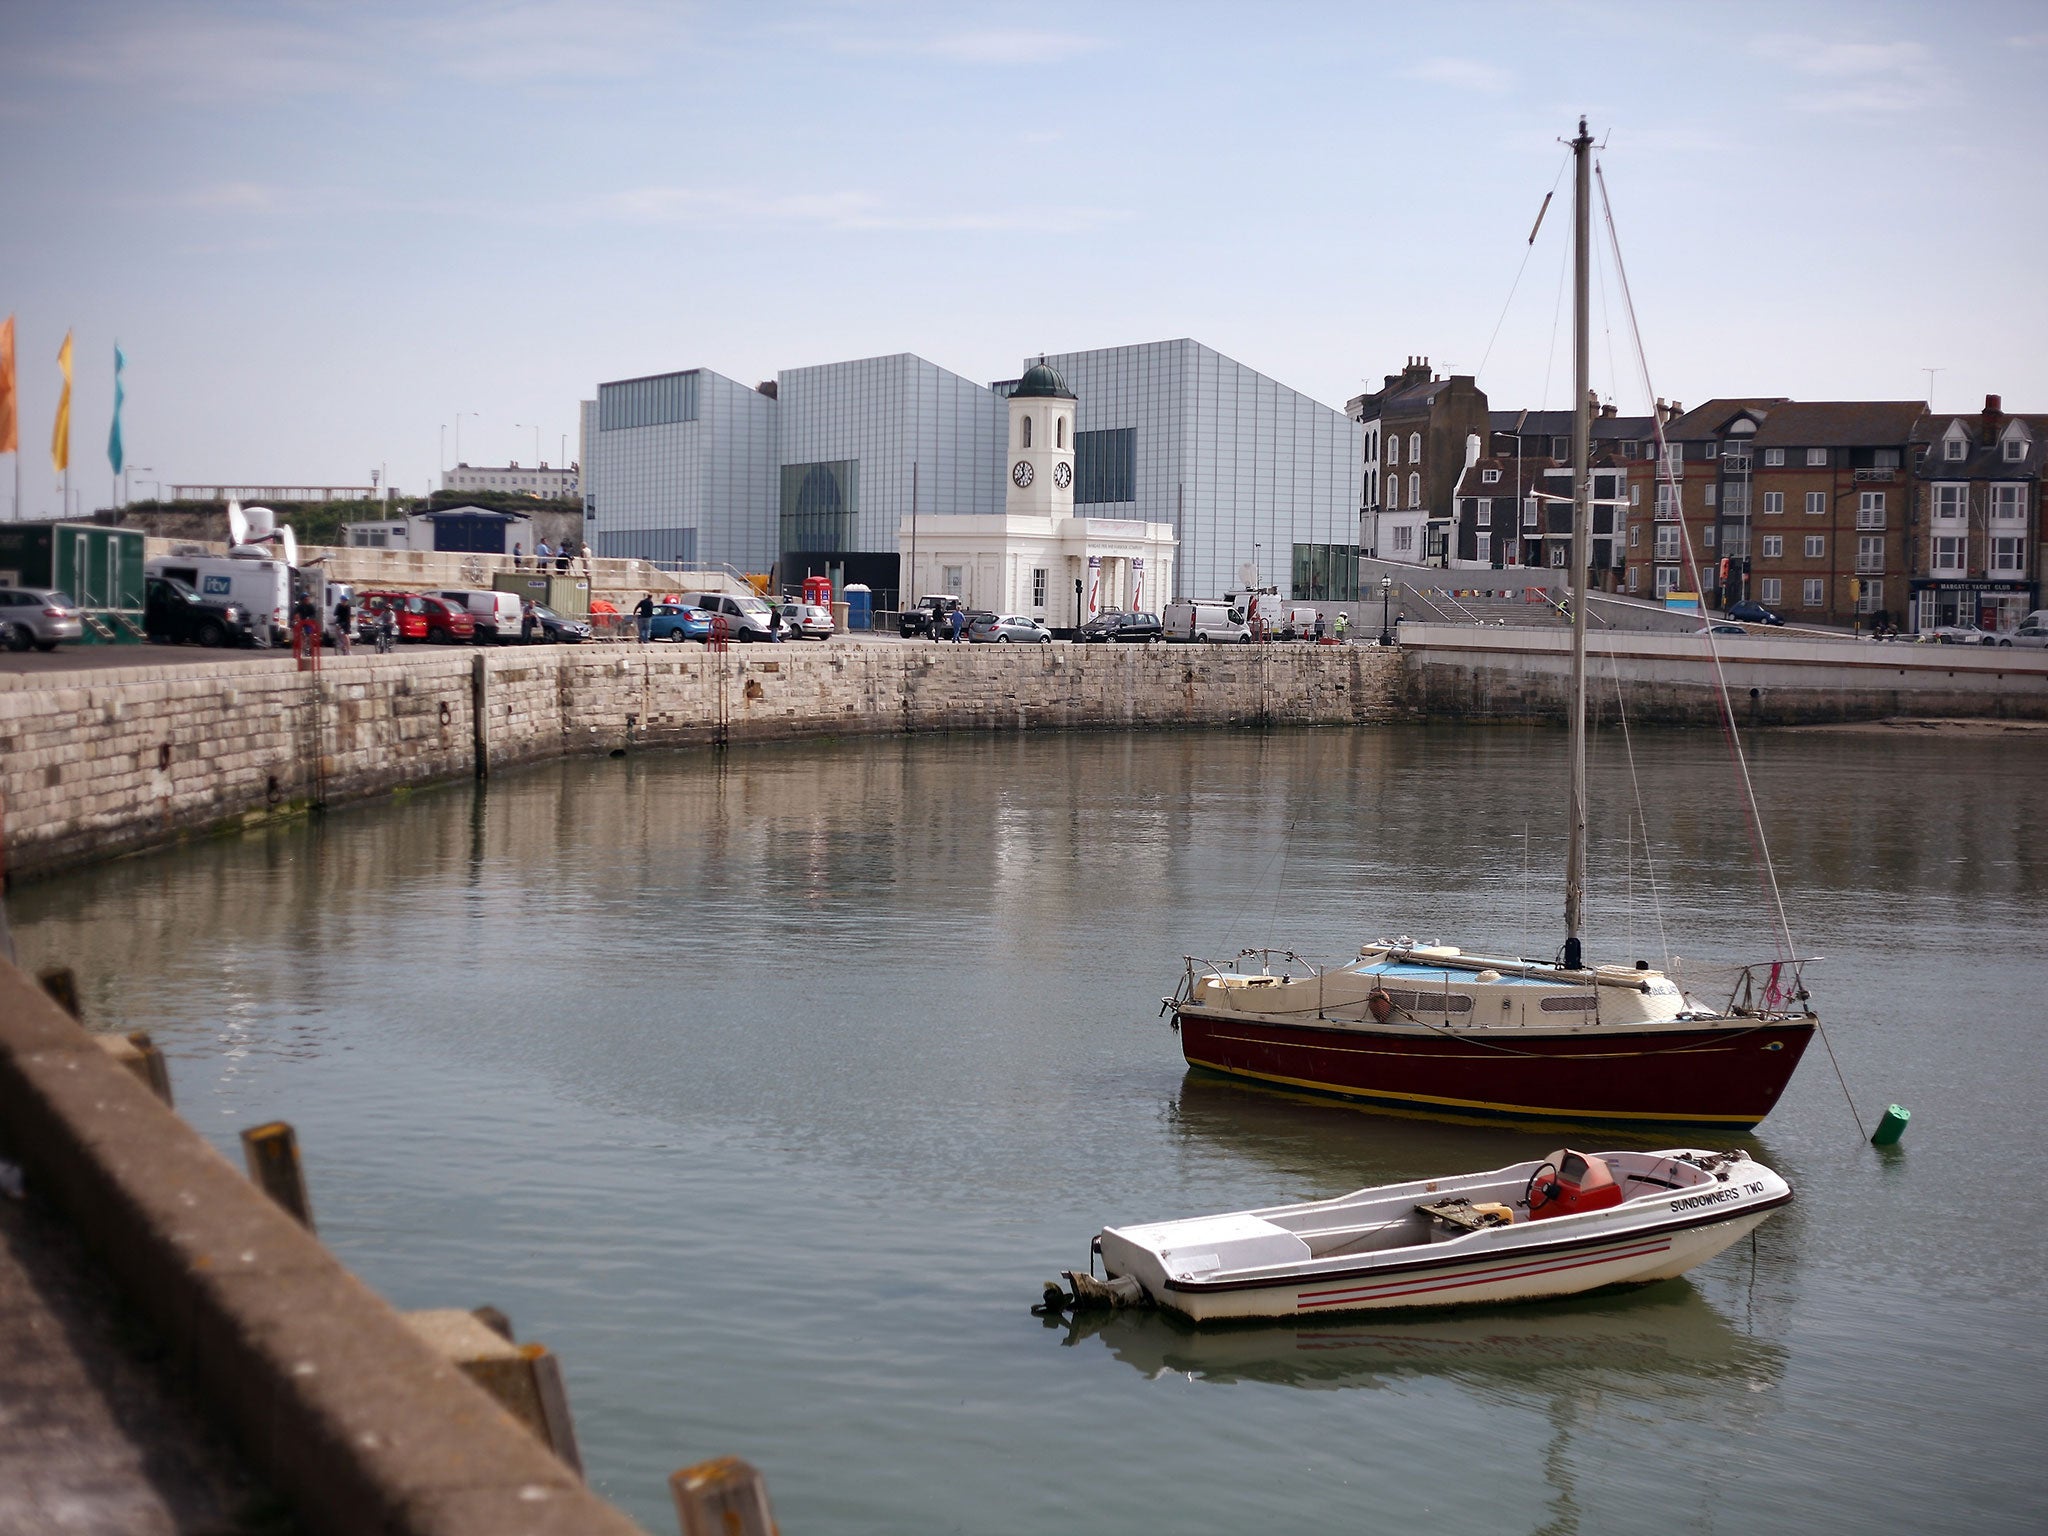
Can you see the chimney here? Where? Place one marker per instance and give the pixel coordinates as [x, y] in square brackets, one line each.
[1607, 411]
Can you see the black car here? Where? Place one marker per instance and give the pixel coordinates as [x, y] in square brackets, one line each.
[550, 628]
[172, 613]
[1102, 628]
[1120, 628]
[1750, 611]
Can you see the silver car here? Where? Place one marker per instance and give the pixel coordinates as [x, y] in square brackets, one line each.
[1008, 629]
[37, 616]
[807, 621]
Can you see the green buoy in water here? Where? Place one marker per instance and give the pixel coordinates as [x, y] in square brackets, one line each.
[1891, 1127]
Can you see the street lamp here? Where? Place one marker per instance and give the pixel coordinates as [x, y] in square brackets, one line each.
[126, 471]
[521, 426]
[1386, 603]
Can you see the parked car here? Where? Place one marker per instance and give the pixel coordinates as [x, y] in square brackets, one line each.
[1722, 628]
[2033, 631]
[674, 621]
[496, 614]
[420, 617]
[1962, 634]
[747, 618]
[1007, 629]
[1101, 629]
[807, 621]
[1200, 622]
[1749, 611]
[548, 627]
[1139, 629]
[172, 613]
[922, 620]
[39, 616]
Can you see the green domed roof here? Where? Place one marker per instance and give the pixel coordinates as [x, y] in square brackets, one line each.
[1041, 382]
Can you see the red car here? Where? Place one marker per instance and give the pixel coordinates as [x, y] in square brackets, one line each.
[420, 617]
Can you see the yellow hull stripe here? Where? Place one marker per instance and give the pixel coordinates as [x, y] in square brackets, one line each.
[1481, 1104]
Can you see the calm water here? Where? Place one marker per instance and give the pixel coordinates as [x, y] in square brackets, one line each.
[767, 1091]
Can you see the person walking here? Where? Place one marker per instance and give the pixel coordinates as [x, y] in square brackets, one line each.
[644, 612]
[541, 553]
[1343, 626]
[518, 557]
[344, 626]
[956, 619]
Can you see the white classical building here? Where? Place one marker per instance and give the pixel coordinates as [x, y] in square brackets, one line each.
[1036, 557]
[551, 484]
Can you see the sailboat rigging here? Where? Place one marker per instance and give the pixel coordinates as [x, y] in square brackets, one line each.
[1428, 1027]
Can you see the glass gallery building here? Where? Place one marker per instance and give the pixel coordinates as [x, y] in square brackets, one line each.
[817, 472]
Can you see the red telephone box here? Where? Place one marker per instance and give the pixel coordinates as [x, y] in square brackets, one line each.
[818, 590]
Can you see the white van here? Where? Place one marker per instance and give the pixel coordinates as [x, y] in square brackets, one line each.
[260, 588]
[497, 614]
[1190, 621]
[2032, 631]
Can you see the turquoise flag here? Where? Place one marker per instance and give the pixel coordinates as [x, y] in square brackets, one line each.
[120, 394]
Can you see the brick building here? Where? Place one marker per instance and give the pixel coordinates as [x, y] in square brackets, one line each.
[1415, 450]
[1973, 524]
[1513, 506]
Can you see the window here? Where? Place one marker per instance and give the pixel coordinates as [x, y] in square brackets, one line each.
[1059, 432]
[1816, 503]
[1708, 534]
[1561, 449]
[1948, 554]
[1667, 502]
[1711, 451]
[1710, 494]
[1952, 449]
[1326, 572]
[1557, 554]
[1870, 509]
[1393, 448]
[1871, 597]
[1770, 591]
[1414, 488]
[1774, 546]
[1667, 579]
[1774, 458]
[1529, 505]
[1393, 493]
[1816, 547]
[1106, 466]
[2009, 503]
[950, 577]
[1631, 450]
[1482, 512]
[1489, 477]
[1404, 537]
[1870, 552]
[2005, 555]
[1414, 447]
[1774, 503]
[1816, 458]
[1951, 503]
[1635, 535]
[1634, 573]
[2015, 450]
[1673, 457]
[1885, 458]
[1482, 547]
[1813, 592]
[1027, 433]
[1038, 584]
[1667, 541]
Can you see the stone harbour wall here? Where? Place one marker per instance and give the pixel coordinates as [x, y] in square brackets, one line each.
[94, 764]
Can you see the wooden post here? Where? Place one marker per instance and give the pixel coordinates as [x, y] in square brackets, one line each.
[58, 981]
[480, 711]
[138, 1053]
[725, 1497]
[272, 1153]
[523, 1379]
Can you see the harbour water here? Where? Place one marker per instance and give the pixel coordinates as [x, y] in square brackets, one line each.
[767, 1088]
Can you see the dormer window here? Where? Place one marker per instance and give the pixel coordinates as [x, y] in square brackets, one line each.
[1489, 477]
[2015, 449]
[1952, 448]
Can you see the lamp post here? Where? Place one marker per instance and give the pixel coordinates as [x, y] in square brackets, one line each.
[126, 471]
[1386, 604]
[536, 444]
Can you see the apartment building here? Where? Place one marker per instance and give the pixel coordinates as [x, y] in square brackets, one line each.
[1973, 524]
[1513, 506]
[1415, 430]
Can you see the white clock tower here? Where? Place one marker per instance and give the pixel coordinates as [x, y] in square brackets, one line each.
[1041, 458]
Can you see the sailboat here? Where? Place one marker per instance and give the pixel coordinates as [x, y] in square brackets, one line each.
[1430, 1028]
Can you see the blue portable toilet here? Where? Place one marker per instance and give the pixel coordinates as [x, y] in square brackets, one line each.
[859, 606]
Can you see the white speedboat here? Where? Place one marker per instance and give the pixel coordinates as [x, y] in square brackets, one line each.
[1571, 1222]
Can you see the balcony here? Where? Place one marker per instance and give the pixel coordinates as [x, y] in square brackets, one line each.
[1870, 565]
[1876, 476]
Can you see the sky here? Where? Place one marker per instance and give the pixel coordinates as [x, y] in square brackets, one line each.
[330, 239]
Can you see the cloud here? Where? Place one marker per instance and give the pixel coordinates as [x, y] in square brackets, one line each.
[1009, 47]
[1862, 79]
[517, 41]
[726, 208]
[1461, 74]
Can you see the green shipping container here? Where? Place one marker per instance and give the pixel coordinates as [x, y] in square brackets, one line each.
[98, 567]
[567, 595]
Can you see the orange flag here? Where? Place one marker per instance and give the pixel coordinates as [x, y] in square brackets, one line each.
[60, 438]
[10, 433]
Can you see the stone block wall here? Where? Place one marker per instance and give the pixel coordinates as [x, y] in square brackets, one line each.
[99, 763]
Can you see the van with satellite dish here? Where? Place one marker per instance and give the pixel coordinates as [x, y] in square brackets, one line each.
[262, 589]
[1200, 623]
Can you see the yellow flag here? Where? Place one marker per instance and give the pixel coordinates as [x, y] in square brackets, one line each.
[10, 434]
[60, 439]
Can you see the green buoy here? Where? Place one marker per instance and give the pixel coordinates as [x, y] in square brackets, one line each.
[1891, 1127]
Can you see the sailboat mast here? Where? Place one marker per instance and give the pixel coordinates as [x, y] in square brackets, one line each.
[1582, 539]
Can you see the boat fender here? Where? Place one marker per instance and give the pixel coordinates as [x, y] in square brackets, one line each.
[1379, 1004]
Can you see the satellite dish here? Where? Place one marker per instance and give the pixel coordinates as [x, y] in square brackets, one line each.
[290, 543]
[1248, 574]
[238, 525]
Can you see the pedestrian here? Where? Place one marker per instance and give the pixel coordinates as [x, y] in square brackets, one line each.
[526, 622]
[957, 620]
[387, 628]
[518, 557]
[344, 625]
[564, 553]
[540, 554]
[1343, 626]
[1319, 626]
[644, 612]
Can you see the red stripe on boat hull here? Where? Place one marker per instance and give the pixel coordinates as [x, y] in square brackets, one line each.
[1729, 1079]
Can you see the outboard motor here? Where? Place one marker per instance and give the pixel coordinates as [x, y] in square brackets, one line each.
[1567, 1182]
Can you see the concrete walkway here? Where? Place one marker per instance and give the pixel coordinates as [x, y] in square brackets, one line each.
[93, 1439]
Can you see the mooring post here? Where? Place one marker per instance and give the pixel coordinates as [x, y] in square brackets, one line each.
[523, 1379]
[480, 711]
[58, 981]
[725, 1497]
[138, 1053]
[272, 1153]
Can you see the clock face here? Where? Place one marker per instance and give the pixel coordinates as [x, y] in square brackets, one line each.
[1062, 474]
[1022, 473]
